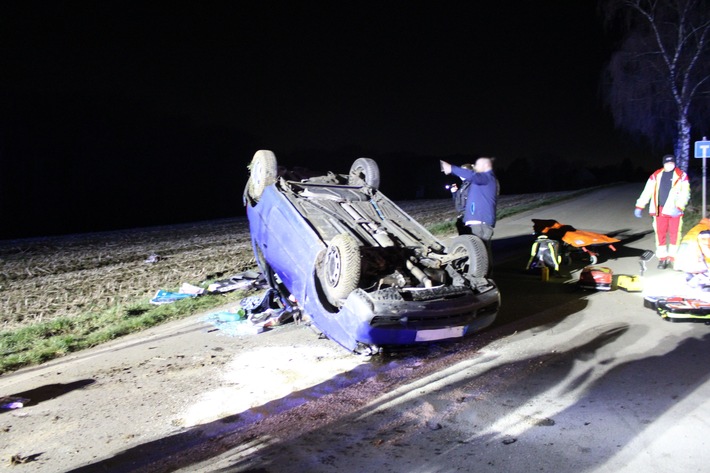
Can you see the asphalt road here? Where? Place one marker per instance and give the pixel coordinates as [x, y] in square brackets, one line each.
[565, 381]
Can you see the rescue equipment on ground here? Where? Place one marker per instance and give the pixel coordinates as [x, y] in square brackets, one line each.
[681, 309]
[693, 254]
[635, 283]
[572, 239]
[629, 283]
[596, 278]
[544, 253]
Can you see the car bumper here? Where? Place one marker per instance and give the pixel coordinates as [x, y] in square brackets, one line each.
[384, 318]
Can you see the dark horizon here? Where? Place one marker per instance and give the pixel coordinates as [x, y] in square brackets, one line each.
[220, 191]
[131, 114]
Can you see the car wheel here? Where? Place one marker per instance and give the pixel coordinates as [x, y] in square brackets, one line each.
[364, 171]
[263, 169]
[472, 247]
[341, 267]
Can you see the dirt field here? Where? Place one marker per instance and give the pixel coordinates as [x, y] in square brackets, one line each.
[106, 408]
[45, 278]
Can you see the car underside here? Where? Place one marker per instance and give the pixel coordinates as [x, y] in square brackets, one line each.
[367, 274]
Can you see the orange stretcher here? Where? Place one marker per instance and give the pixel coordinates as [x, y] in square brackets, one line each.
[569, 238]
[693, 254]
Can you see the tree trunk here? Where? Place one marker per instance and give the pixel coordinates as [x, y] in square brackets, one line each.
[682, 145]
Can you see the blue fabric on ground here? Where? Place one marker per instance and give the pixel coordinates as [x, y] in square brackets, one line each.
[167, 297]
[232, 323]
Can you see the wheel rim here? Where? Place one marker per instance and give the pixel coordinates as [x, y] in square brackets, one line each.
[461, 252]
[256, 173]
[332, 266]
[357, 174]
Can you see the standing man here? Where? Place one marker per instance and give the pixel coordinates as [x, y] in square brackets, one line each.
[480, 211]
[667, 192]
[460, 195]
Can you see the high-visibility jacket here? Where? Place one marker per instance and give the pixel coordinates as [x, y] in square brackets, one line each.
[678, 196]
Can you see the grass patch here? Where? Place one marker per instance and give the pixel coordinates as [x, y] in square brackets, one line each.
[443, 228]
[45, 341]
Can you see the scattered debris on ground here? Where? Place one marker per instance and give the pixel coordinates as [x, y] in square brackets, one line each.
[244, 280]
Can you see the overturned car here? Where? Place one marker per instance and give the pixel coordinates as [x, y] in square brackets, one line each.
[363, 272]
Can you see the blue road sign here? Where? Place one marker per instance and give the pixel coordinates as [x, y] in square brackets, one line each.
[702, 149]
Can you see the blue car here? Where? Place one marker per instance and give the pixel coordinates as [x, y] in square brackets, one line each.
[362, 271]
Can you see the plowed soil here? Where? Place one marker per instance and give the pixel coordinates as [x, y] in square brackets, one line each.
[121, 406]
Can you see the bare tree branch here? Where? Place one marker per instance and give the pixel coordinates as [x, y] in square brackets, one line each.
[658, 82]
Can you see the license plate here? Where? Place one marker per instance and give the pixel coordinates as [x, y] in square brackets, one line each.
[438, 334]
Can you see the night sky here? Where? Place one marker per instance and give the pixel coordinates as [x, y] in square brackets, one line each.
[120, 114]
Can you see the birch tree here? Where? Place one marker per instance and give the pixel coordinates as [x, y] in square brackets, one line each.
[658, 81]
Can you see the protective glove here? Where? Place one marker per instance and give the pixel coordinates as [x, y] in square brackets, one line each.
[637, 213]
[673, 212]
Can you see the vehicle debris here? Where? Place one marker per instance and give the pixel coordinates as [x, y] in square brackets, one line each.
[244, 280]
[255, 314]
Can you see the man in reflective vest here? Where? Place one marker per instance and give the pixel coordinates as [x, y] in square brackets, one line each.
[667, 193]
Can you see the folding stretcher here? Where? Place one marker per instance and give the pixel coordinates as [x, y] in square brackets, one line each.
[572, 239]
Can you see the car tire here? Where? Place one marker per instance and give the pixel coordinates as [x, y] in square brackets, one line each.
[263, 170]
[341, 267]
[364, 171]
[475, 249]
